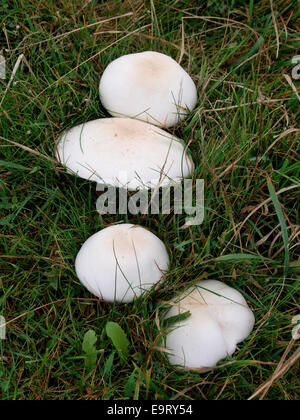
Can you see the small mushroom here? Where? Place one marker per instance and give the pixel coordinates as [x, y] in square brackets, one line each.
[121, 262]
[125, 153]
[149, 86]
[220, 319]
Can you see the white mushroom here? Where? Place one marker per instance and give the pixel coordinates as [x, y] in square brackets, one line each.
[220, 319]
[110, 150]
[121, 262]
[149, 86]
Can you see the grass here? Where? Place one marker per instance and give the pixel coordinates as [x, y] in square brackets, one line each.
[244, 138]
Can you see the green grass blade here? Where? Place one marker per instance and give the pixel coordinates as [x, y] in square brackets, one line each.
[281, 218]
[240, 258]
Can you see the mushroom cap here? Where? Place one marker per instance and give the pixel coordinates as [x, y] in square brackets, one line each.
[149, 86]
[220, 319]
[123, 152]
[121, 262]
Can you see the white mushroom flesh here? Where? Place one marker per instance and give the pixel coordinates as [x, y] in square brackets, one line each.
[220, 319]
[121, 262]
[149, 86]
[123, 152]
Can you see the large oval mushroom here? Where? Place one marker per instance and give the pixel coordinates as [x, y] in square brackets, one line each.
[123, 152]
[149, 86]
[219, 319]
[121, 262]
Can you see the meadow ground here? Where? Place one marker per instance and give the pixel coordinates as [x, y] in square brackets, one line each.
[244, 138]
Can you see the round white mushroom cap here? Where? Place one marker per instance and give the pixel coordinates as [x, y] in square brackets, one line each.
[220, 319]
[123, 152]
[121, 262]
[149, 86]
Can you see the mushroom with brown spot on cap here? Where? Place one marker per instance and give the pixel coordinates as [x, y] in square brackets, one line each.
[149, 86]
[110, 149]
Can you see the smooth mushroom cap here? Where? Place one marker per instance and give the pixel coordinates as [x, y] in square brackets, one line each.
[220, 319]
[121, 262]
[123, 152]
[149, 86]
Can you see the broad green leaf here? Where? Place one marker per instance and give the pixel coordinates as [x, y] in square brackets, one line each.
[119, 339]
[108, 365]
[88, 346]
[130, 385]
